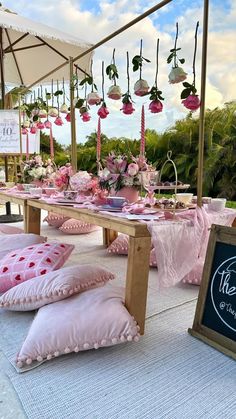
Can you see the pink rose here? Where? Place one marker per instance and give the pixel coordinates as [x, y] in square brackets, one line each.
[47, 124]
[33, 130]
[93, 98]
[58, 121]
[103, 112]
[127, 108]
[40, 125]
[114, 92]
[192, 102]
[24, 130]
[85, 117]
[141, 87]
[133, 169]
[67, 118]
[155, 106]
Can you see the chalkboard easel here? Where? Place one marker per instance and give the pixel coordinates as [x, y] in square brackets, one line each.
[215, 316]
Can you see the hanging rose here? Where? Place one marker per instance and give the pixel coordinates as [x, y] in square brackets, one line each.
[42, 114]
[84, 114]
[177, 74]
[64, 108]
[26, 123]
[141, 87]
[40, 125]
[58, 121]
[47, 124]
[127, 108]
[114, 92]
[24, 130]
[53, 112]
[191, 100]
[33, 129]
[93, 98]
[103, 112]
[155, 106]
[67, 118]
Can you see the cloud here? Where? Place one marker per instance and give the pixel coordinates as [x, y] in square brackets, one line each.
[108, 16]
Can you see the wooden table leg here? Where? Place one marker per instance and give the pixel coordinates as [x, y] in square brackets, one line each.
[33, 216]
[137, 278]
[109, 236]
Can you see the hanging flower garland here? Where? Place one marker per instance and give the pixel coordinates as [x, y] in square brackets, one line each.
[53, 112]
[58, 121]
[84, 110]
[191, 100]
[64, 107]
[114, 91]
[103, 112]
[156, 105]
[141, 86]
[177, 74]
[127, 107]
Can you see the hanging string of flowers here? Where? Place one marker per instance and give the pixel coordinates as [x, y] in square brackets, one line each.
[177, 74]
[114, 91]
[127, 107]
[93, 98]
[58, 121]
[84, 110]
[156, 105]
[191, 100]
[141, 86]
[103, 112]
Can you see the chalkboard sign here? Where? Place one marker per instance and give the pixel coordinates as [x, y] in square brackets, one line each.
[215, 317]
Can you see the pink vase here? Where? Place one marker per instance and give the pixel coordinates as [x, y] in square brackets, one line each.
[131, 194]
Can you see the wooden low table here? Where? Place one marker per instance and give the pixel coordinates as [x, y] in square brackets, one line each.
[138, 255]
[5, 196]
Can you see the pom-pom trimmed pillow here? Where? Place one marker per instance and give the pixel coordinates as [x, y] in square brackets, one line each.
[23, 264]
[11, 242]
[84, 321]
[121, 244]
[6, 229]
[55, 220]
[54, 286]
[73, 226]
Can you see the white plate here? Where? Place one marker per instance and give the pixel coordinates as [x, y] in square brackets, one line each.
[109, 208]
[68, 201]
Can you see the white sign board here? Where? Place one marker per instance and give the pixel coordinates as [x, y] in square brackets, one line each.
[10, 135]
[9, 132]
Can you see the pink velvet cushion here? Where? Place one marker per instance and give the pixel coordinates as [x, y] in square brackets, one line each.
[88, 320]
[54, 286]
[73, 226]
[6, 229]
[120, 247]
[23, 264]
[11, 242]
[55, 220]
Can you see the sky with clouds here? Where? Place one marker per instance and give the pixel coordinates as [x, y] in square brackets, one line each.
[93, 20]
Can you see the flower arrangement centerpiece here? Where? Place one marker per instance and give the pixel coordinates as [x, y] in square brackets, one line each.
[84, 183]
[61, 178]
[36, 170]
[122, 171]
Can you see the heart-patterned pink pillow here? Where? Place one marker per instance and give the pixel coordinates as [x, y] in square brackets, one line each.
[23, 264]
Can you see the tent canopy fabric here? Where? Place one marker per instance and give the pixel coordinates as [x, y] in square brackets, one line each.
[31, 50]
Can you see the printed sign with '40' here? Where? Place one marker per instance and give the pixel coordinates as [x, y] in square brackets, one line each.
[215, 317]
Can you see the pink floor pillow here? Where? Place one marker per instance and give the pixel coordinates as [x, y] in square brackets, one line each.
[6, 229]
[73, 226]
[55, 220]
[120, 247]
[54, 286]
[22, 264]
[89, 320]
[11, 242]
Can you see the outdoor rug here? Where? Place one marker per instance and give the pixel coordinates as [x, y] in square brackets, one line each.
[168, 374]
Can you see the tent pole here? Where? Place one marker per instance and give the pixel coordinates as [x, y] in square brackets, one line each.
[201, 139]
[72, 118]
